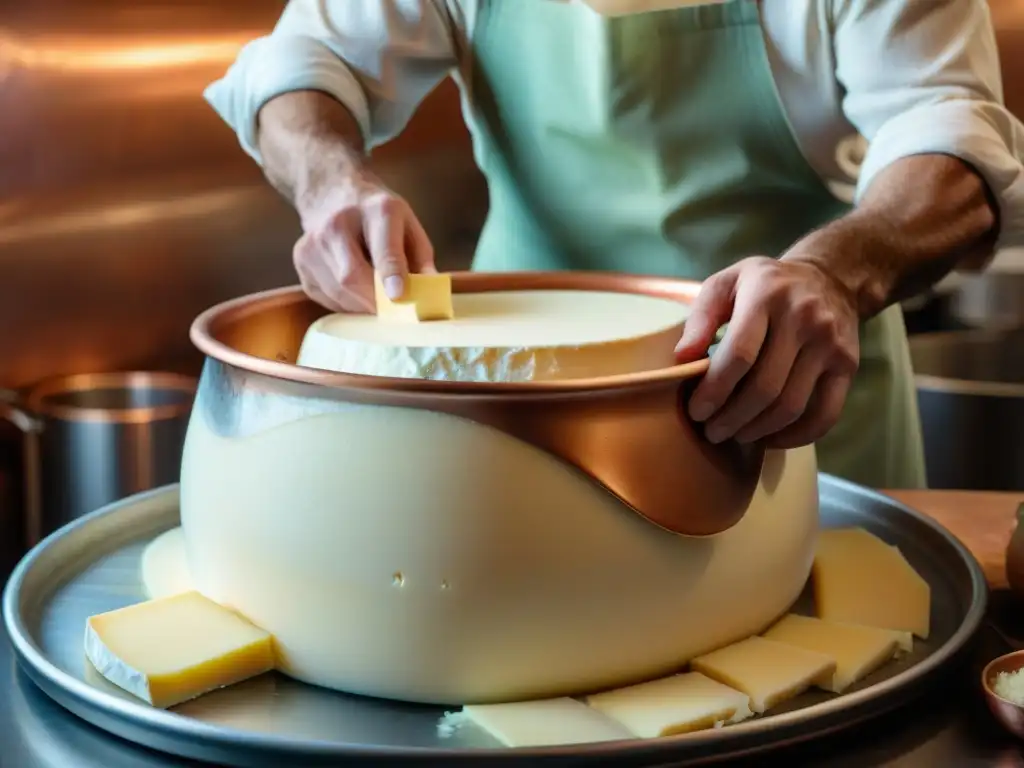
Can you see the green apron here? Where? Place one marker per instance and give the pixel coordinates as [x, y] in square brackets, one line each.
[656, 144]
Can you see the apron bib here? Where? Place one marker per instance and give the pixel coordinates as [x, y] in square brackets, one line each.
[656, 144]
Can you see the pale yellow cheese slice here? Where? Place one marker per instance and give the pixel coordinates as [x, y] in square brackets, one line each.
[506, 336]
[177, 648]
[426, 297]
[860, 579]
[767, 671]
[857, 650]
[165, 567]
[672, 705]
[542, 723]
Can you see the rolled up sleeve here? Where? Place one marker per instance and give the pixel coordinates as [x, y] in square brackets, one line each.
[924, 78]
[379, 59]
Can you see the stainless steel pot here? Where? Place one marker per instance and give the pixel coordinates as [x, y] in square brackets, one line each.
[970, 391]
[991, 300]
[92, 439]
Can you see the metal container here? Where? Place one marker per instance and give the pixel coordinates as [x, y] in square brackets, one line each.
[92, 439]
[991, 300]
[970, 390]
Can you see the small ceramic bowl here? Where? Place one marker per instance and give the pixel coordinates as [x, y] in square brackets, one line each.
[1008, 713]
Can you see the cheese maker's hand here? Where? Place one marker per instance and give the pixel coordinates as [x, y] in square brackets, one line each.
[784, 368]
[356, 227]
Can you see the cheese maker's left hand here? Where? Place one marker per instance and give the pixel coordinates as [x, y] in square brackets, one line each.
[784, 368]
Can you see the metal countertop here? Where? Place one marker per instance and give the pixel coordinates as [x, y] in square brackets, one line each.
[949, 727]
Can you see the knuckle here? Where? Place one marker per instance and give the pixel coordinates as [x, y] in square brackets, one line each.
[847, 361]
[383, 204]
[790, 407]
[345, 219]
[742, 358]
[766, 389]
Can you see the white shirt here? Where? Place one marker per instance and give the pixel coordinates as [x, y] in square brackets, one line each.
[892, 77]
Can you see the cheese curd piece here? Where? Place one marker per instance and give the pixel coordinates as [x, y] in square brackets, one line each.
[767, 671]
[858, 651]
[549, 722]
[860, 579]
[673, 705]
[169, 651]
[164, 568]
[506, 336]
[427, 297]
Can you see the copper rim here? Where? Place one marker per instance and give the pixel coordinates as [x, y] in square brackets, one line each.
[171, 382]
[204, 336]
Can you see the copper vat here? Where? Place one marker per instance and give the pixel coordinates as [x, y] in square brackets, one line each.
[628, 433]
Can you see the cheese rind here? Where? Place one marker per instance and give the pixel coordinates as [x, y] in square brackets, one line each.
[506, 336]
[426, 297]
[767, 671]
[175, 649]
[547, 722]
[860, 579]
[858, 651]
[673, 705]
[165, 567]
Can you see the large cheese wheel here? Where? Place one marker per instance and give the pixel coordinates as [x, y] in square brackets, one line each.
[506, 336]
[413, 555]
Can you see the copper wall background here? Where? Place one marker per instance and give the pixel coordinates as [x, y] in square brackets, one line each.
[126, 206]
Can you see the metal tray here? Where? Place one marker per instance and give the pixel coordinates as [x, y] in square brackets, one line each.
[92, 566]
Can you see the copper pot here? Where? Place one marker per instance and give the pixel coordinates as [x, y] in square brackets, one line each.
[629, 433]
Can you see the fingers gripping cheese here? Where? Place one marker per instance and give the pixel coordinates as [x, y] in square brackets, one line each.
[426, 297]
[502, 336]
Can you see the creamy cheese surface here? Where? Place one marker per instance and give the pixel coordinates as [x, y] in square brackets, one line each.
[506, 336]
[474, 568]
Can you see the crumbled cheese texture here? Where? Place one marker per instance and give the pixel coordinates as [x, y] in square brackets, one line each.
[1010, 686]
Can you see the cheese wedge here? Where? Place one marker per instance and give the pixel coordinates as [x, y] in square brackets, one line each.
[547, 722]
[768, 672]
[858, 651]
[164, 566]
[506, 336]
[673, 705]
[426, 297]
[860, 579]
[175, 649]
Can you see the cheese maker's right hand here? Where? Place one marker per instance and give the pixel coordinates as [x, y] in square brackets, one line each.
[352, 223]
[359, 223]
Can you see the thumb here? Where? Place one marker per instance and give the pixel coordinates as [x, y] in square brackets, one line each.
[709, 312]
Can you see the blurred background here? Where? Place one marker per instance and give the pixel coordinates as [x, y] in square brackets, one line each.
[126, 208]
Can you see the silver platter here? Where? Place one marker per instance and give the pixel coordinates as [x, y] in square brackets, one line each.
[92, 566]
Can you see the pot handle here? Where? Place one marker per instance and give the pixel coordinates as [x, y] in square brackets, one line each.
[12, 411]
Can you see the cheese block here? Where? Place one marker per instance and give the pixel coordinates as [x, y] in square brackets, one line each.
[175, 649]
[506, 336]
[673, 705]
[768, 672]
[164, 566]
[548, 722]
[426, 297]
[858, 651]
[860, 579]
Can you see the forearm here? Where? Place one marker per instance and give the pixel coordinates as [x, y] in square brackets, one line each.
[308, 141]
[922, 216]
